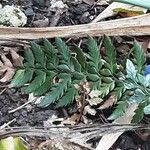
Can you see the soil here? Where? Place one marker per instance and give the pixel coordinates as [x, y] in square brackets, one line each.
[38, 11]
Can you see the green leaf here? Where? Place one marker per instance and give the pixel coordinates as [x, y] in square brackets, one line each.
[138, 55]
[105, 72]
[63, 50]
[46, 86]
[51, 52]
[67, 98]
[94, 53]
[29, 57]
[139, 113]
[76, 65]
[138, 97]
[78, 76]
[64, 68]
[93, 77]
[49, 47]
[110, 54]
[118, 92]
[130, 69]
[119, 111]
[142, 80]
[21, 77]
[55, 94]
[38, 53]
[11, 143]
[106, 88]
[91, 69]
[37, 82]
[50, 66]
[130, 84]
[81, 58]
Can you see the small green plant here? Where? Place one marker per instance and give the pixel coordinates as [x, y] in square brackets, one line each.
[53, 71]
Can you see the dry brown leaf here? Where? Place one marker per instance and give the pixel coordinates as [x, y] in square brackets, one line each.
[88, 109]
[94, 101]
[7, 68]
[17, 59]
[1, 64]
[6, 61]
[108, 103]
[8, 75]
[72, 120]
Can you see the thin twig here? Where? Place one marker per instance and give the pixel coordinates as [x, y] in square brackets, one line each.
[3, 91]
[20, 107]
[7, 124]
[139, 25]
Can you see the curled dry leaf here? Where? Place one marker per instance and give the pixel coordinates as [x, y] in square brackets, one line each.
[89, 110]
[8, 75]
[6, 61]
[72, 120]
[95, 93]
[1, 64]
[7, 68]
[17, 59]
[94, 97]
[108, 103]
[95, 101]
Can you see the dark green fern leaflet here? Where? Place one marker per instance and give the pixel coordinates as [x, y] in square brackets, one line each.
[80, 56]
[139, 113]
[29, 57]
[94, 54]
[37, 82]
[57, 91]
[38, 54]
[63, 52]
[68, 97]
[110, 55]
[51, 53]
[21, 77]
[119, 111]
[139, 58]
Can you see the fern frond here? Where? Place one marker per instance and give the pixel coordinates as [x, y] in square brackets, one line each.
[139, 58]
[37, 82]
[106, 88]
[21, 77]
[68, 97]
[110, 55]
[63, 51]
[94, 53]
[51, 53]
[29, 57]
[38, 53]
[119, 90]
[119, 111]
[139, 113]
[55, 94]
[81, 58]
